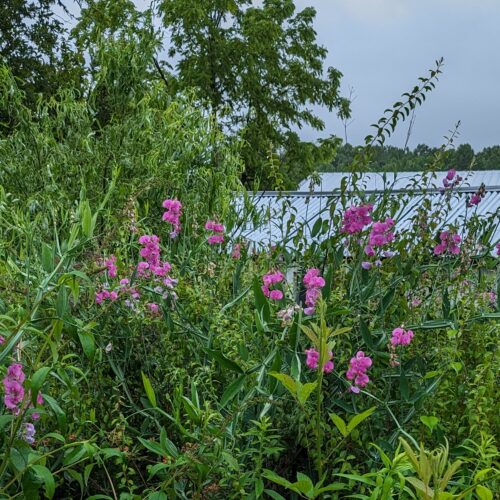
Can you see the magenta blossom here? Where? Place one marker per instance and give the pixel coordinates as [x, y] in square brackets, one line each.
[451, 180]
[314, 283]
[358, 366]
[271, 279]
[401, 336]
[312, 360]
[449, 243]
[111, 265]
[236, 253]
[218, 229]
[173, 215]
[356, 218]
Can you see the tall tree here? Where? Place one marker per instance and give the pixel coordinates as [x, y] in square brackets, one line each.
[262, 70]
[34, 46]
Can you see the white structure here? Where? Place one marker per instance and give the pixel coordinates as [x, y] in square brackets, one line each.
[285, 215]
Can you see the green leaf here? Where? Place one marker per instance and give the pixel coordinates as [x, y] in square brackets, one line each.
[357, 419]
[304, 391]
[59, 413]
[157, 495]
[339, 423]
[233, 389]
[37, 380]
[274, 495]
[430, 421]
[483, 492]
[287, 381]
[88, 343]
[87, 222]
[5, 420]
[48, 479]
[275, 478]
[150, 393]
[223, 361]
[153, 446]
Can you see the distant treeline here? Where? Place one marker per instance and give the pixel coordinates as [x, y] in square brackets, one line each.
[391, 158]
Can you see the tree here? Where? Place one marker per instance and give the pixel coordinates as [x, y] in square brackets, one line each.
[261, 70]
[34, 46]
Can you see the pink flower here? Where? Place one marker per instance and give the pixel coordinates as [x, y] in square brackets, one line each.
[356, 218]
[13, 386]
[218, 230]
[358, 367]
[380, 235]
[498, 248]
[451, 173]
[313, 282]
[236, 253]
[173, 215]
[215, 239]
[312, 360]
[270, 279]
[111, 266]
[2, 340]
[401, 336]
[154, 308]
[449, 243]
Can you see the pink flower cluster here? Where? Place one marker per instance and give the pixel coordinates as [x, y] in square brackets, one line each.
[314, 283]
[173, 215]
[14, 397]
[401, 336]
[477, 196]
[270, 279]
[14, 389]
[312, 360]
[103, 295]
[449, 243]
[110, 265]
[150, 251]
[236, 253]
[497, 246]
[218, 232]
[380, 235]
[451, 180]
[358, 366]
[356, 218]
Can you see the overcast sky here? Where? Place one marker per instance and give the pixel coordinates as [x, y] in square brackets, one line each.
[383, 46]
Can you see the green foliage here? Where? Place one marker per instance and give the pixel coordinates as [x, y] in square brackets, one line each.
[261, 70]
[207, 395]
[35, 46]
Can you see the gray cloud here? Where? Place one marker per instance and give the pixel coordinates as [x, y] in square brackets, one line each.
[382, 46]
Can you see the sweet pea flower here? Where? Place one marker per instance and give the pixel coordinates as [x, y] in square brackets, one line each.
[358, 366]
[312, 360]
[401, 336]
[313, 282]
[356, 218]
[270, 279]
[172, 215]
[218, 229]
[449, 243]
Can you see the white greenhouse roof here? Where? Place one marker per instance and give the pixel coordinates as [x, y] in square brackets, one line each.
[285, 214]
[331, 181]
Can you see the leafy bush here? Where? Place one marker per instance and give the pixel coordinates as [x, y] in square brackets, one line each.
[195, 365]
